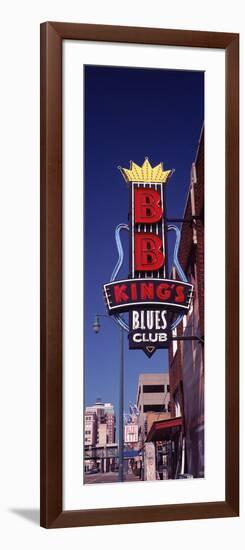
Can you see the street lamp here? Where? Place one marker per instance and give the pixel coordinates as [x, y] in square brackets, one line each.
[96, 328]
[96, 324]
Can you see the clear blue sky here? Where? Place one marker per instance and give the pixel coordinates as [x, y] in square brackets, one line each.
[129, 114]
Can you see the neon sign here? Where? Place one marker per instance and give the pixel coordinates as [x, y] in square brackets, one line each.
[155, 303]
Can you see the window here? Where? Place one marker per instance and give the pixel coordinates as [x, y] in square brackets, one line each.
[87, 432]
[177, 404]
[184, 322]
[154, 388]
[168, 388]
[174, 342]
[153, 408]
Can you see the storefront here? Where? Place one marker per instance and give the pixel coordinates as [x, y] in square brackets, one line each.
[167, 437]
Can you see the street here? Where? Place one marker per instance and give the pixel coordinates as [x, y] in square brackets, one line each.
[109, 477]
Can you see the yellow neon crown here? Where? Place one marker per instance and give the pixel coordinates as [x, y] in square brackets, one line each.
[146, 172]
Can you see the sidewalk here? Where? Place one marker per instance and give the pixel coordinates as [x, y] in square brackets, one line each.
[109, 477]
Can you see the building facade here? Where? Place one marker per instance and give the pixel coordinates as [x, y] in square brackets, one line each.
[153, 401]
[100, 449]
[90, 428]
[186, 357]
[105, 422]
[110, 419]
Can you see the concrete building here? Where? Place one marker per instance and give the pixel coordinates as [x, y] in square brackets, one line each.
[90, 428]
[186, 358]
[102, 435]
[99, 437]
[105, 415]
[110, 423]
[153, 401]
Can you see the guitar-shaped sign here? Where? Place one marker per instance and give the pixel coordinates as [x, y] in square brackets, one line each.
[155, 303]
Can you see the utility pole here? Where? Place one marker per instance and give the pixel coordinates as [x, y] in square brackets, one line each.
[121, 403]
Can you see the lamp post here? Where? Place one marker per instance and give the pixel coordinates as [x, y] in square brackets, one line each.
[96, 329]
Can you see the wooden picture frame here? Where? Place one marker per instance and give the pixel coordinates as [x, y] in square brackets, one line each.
[52, 35]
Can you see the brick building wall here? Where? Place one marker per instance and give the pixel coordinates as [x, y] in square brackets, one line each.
[186, 358]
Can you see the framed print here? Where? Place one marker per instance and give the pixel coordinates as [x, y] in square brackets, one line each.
[139, 275]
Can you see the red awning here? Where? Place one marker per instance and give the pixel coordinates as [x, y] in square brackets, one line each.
[162, 429]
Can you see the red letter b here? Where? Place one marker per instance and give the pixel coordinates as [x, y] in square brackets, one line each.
[148, 253]
[147, 207]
